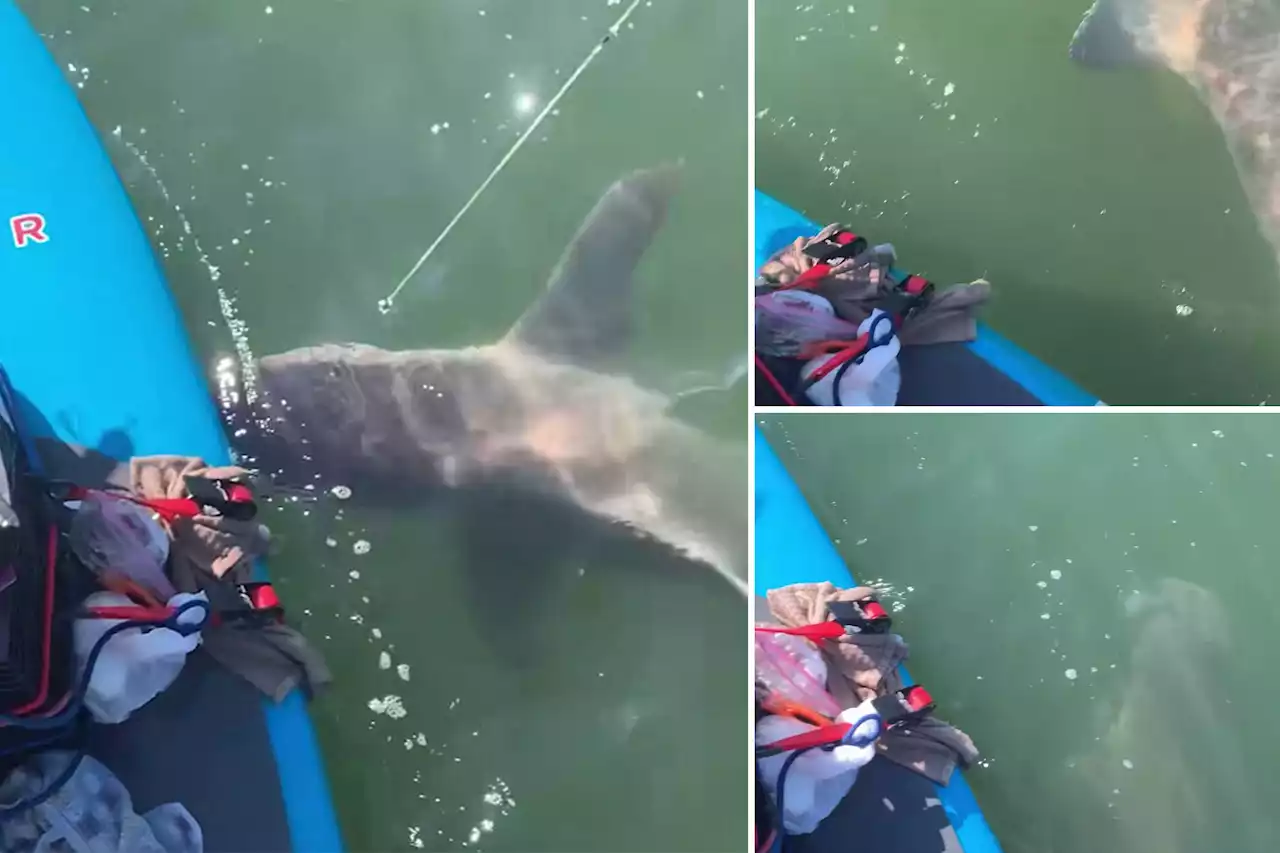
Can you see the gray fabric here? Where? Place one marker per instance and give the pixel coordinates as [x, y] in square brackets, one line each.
[91, 813]
[889, 810]
[273, 658]
[203, 743]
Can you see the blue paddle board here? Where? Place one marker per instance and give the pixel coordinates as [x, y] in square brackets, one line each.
[92, 339]
[791, 547]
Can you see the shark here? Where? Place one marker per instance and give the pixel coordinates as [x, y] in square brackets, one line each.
[544, 411]
[1166, 759]
[1228, 51]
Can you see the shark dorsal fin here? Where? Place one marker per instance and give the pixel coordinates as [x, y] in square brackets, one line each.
[584, 316]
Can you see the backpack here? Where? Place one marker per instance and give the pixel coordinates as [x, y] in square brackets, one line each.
[37, 664]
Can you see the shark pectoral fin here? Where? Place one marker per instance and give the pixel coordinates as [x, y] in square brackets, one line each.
[584, 316]
[1101, 40]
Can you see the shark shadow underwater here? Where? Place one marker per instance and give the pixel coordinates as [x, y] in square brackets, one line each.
[538, 445]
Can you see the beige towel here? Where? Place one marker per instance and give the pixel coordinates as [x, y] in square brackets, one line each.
[213, 554]
[948, 317]
[213, 543]
[868, 663]
[863, 666]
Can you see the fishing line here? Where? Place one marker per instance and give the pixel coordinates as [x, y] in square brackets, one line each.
[384, 304]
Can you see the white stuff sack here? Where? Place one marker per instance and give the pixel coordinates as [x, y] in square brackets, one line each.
[818, 779]
[134, 666]
[874, 381]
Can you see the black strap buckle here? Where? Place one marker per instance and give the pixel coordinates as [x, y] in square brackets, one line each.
[841, 245]
[262, 606]
[861, 617]
[907, 297]
[230, 497]
[905, 706]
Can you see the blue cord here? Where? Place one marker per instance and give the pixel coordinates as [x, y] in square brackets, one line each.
[851, 738]
[59, 720]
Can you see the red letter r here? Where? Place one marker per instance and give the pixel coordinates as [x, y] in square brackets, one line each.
[28, 226]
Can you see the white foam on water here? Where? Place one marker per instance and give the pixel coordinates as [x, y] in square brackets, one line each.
[238, 329]
[391, 705]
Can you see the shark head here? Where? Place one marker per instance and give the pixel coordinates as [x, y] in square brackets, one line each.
[353, 410]
[1117, 33]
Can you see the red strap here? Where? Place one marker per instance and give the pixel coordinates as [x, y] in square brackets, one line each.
[167, 508]
[844, 238]
[858, 348]
[136, 612]
[773, 381]
[812, 275]
[833, 733]
[820, 631]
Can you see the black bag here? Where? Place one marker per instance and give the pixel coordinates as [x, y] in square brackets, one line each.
[36, 652]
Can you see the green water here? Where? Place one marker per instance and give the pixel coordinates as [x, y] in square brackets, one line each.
[1095, 202]
[1091, 597]
[556, 698]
